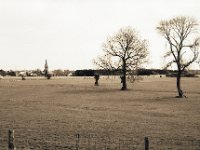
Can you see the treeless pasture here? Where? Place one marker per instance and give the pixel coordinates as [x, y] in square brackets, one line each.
[48, 112]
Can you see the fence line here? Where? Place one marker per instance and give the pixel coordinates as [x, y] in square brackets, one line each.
[92, 142]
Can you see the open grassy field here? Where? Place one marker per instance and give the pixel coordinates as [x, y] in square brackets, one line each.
[46, 114]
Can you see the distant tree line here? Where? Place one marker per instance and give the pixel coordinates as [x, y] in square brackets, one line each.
[7, 73]
[140, 72]
[91, 72]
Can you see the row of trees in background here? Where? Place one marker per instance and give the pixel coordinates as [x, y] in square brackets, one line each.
[92, 72]
[126, 51]
[138, 72]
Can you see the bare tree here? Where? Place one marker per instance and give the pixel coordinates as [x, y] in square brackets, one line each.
[183, 50]
[123, 51]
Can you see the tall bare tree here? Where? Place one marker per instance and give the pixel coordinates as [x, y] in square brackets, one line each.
[123, 51]
[180, 33]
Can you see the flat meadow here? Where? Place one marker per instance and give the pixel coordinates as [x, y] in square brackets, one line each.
[47, 114]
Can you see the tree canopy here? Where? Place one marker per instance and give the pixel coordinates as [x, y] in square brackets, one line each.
[125, 50]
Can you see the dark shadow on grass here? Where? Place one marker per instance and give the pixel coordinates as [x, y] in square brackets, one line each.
[90, 91]
[165, 98]
[154, 91]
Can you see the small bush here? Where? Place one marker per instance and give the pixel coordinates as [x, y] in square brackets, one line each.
[48, 76]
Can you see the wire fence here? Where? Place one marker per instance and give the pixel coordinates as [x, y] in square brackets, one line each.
[95, 142]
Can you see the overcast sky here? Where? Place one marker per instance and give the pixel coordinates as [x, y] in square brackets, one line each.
[70, 33]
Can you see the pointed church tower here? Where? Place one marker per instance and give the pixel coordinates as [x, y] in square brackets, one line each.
[46, 68]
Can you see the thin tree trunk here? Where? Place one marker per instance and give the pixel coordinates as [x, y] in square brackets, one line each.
[178, 84]
[124, 86]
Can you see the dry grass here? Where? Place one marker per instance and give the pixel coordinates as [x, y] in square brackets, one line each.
[45, 112]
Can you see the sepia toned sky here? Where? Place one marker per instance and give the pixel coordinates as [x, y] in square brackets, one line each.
[70, 33]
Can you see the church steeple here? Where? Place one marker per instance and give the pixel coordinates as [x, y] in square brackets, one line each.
[46, 68]
[46, 65]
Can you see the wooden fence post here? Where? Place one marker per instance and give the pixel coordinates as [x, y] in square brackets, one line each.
[11, 139]
[146, 143]
[77, 141]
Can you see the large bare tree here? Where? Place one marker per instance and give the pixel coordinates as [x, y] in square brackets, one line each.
[180, 33]
[123, 51]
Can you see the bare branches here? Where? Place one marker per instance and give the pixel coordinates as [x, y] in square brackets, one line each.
[105, 62]
[177, 32]
[195, 54]
[123, 46]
